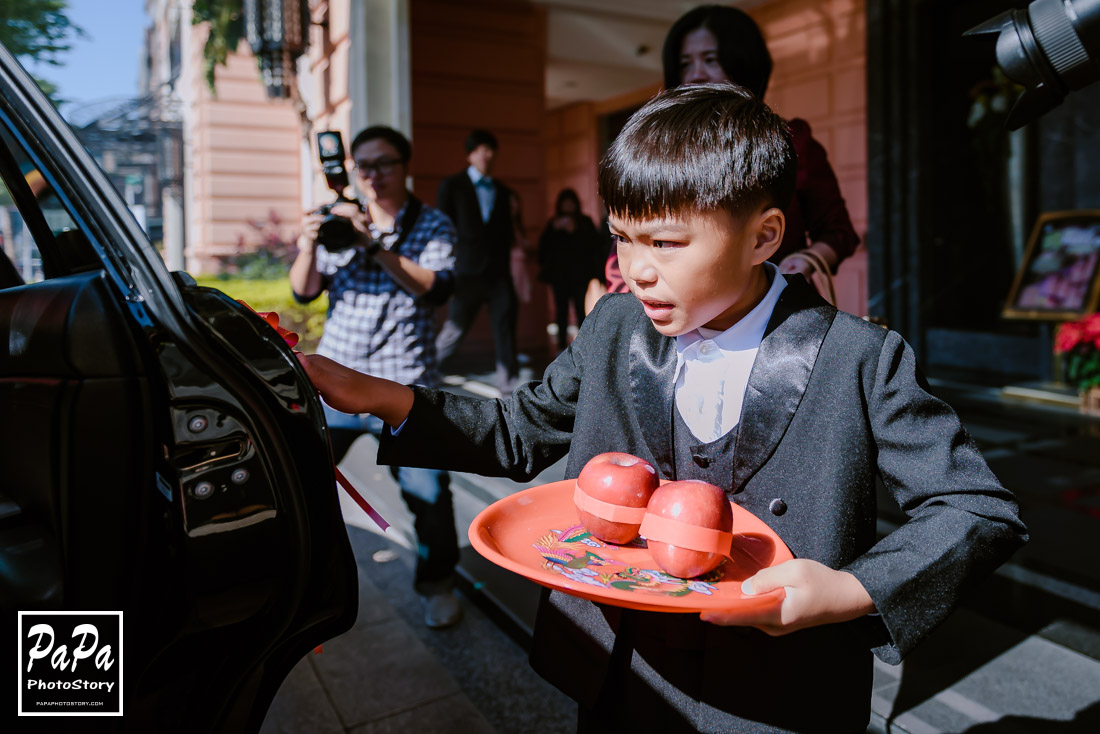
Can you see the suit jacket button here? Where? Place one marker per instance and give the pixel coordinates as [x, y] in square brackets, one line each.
[778, 507]
[701, 461]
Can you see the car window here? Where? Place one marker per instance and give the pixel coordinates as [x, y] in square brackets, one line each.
[16, 242]
[33, 219]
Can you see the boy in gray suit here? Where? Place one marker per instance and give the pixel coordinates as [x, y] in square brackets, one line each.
[716, 367]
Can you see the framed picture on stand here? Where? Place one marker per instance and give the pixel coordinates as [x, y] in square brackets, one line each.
[1057, 280]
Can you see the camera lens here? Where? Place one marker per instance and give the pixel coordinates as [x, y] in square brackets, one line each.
[336, 233]
[1048, 49]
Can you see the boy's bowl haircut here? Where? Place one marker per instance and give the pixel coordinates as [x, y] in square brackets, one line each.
[699, 148]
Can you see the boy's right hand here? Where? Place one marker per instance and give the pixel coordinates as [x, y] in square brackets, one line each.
[342, 387]
[354, 392]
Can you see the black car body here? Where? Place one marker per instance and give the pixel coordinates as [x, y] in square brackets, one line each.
[161, 453]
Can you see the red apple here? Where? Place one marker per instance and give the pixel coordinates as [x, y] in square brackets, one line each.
[687, 527]
[612, 492]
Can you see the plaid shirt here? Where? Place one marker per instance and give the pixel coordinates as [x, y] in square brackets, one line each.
[376, 326]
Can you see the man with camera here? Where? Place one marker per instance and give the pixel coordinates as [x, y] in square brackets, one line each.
[387, 265]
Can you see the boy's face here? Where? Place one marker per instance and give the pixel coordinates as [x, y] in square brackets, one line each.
[698, 269]
[482, 158]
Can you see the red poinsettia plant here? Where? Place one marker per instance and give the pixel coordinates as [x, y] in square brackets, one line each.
[1079, 342]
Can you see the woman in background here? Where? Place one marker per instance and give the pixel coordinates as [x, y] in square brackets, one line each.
[569, 257]
[717, 43]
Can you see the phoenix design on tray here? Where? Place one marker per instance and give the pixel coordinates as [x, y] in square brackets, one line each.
[576, 555]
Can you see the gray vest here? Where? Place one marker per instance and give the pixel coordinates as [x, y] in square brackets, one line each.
[710, 462]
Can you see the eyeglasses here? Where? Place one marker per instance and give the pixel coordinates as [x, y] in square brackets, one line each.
[382, 166]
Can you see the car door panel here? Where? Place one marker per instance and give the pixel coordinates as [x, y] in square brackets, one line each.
[164, 454]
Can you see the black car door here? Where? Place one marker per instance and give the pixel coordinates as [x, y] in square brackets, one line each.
[161, 452]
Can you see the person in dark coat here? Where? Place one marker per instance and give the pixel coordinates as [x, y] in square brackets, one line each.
[569, 256]
[480, 206]
[718, 367]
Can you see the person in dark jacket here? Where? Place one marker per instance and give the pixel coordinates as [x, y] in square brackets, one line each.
[569, 256]
[717, 367]
[481, 208]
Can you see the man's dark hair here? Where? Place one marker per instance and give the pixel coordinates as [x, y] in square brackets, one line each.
[742, 53]
[399, 142]
[703, 147]
[480, 137]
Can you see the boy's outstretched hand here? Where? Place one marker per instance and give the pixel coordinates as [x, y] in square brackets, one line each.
[354, 392]
[816, 594]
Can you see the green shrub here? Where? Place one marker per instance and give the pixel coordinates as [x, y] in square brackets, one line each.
[308, 320]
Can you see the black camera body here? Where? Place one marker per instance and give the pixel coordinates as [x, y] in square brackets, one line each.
[336, 233]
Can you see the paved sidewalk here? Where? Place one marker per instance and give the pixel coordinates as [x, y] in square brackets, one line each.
[376, 678]
[390, 673]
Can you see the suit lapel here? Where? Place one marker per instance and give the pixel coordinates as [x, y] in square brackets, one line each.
[652, 374]
[779, 375]
[472, 203]
[498, 200]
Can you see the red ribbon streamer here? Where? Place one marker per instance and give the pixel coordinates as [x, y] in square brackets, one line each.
[363, 504]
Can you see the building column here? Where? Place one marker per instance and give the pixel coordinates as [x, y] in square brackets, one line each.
[378, 74]
[171, 208]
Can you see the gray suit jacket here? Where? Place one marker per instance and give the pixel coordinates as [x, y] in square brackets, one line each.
[832, 403]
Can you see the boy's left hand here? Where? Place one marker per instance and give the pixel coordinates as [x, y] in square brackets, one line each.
[816, 594]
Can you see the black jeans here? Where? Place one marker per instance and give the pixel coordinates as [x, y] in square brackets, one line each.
[564, 294]
[469, 296]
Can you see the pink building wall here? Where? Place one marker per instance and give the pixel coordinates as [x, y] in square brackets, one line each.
[820, 75]
[482, 64]
[244, 159]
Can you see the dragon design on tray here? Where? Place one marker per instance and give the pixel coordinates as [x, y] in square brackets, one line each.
[578, 556]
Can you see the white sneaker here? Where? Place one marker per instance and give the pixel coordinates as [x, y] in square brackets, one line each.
[441, 610]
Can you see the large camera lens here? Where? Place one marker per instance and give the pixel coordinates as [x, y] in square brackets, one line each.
[1049, 49]
[336, 233]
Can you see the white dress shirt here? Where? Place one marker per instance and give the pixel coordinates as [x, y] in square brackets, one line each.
[712, 367]
[486, 192]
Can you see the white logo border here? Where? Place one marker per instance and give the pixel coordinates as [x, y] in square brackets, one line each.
[19, 662]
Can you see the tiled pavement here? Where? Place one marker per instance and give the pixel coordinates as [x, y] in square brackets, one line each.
[378, 677]
[390, 673]
[1022, 656]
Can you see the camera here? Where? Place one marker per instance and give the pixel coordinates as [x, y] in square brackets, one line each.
[1049, 49]
[336, 233]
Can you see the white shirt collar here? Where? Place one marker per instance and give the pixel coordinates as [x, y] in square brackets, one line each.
[713, 368]
[746, 333]
[476, 175]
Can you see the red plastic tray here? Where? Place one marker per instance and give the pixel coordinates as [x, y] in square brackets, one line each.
[536, 534]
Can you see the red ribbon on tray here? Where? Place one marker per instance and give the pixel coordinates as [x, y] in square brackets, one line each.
[291, 340]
